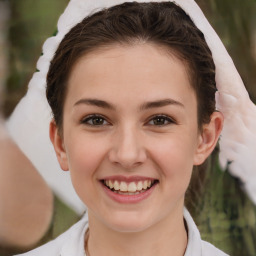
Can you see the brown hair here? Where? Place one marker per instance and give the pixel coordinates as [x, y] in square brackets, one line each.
[163, 23]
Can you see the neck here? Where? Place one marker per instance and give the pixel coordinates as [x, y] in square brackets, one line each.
[167, 236]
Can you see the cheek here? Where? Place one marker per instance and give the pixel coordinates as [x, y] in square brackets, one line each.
[84, 157]
[174, 157]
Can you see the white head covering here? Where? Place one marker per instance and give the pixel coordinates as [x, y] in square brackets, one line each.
[29, 122]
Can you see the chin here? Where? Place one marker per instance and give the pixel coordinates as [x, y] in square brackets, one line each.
[129, 222]
[129, 227]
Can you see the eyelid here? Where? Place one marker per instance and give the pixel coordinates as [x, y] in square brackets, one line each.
[170, 120]
[85, 120]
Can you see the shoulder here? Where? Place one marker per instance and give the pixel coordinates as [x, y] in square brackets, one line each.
[210, 250]
[66, 242]
[51, 248]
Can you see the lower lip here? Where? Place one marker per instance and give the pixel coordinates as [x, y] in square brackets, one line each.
[129, 199]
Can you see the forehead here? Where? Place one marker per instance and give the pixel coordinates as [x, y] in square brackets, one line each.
[135, 71]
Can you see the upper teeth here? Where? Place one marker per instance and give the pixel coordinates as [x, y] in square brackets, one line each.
[128, 187]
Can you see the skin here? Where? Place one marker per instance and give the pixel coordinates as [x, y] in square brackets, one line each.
[26, 201]
[129, 141]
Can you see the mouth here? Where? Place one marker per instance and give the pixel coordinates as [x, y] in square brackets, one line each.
[129, 188]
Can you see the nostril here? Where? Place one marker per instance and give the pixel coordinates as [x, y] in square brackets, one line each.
[127, 154]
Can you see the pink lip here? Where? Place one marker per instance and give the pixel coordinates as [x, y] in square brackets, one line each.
[128, 199]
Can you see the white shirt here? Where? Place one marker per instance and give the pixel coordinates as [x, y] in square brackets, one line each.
[71, 243]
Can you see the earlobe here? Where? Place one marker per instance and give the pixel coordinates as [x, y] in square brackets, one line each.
[208, 138]
[57, 142]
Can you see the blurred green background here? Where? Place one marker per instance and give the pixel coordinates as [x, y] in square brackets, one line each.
[32, 21]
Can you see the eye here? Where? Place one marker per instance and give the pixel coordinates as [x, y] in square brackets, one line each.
[95, 120]
[161, 120]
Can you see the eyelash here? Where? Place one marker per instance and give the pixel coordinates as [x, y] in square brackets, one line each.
[88, 120]
[162, 118]
[91, 118]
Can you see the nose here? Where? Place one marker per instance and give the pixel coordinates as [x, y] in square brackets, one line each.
[127, 148]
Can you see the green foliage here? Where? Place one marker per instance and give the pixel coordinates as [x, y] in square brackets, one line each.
[30, 24]
[226, 217]
[235, 22]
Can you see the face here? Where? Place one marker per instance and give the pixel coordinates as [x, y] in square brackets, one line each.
[130, 135]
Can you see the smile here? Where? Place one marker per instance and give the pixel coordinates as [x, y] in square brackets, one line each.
[129, 188]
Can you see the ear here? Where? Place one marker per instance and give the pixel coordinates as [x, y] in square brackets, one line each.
[208, 137]
[58, 144]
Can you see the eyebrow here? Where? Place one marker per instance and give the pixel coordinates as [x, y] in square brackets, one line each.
[160, 103]
[95, 102]
[144, 106]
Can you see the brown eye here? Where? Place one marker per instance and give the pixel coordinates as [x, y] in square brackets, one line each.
[160, 121]
[95, 120]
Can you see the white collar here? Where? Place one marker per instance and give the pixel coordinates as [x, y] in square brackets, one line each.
[194, 246]
[74, 245]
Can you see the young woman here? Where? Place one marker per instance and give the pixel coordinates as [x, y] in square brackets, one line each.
[132, 91]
